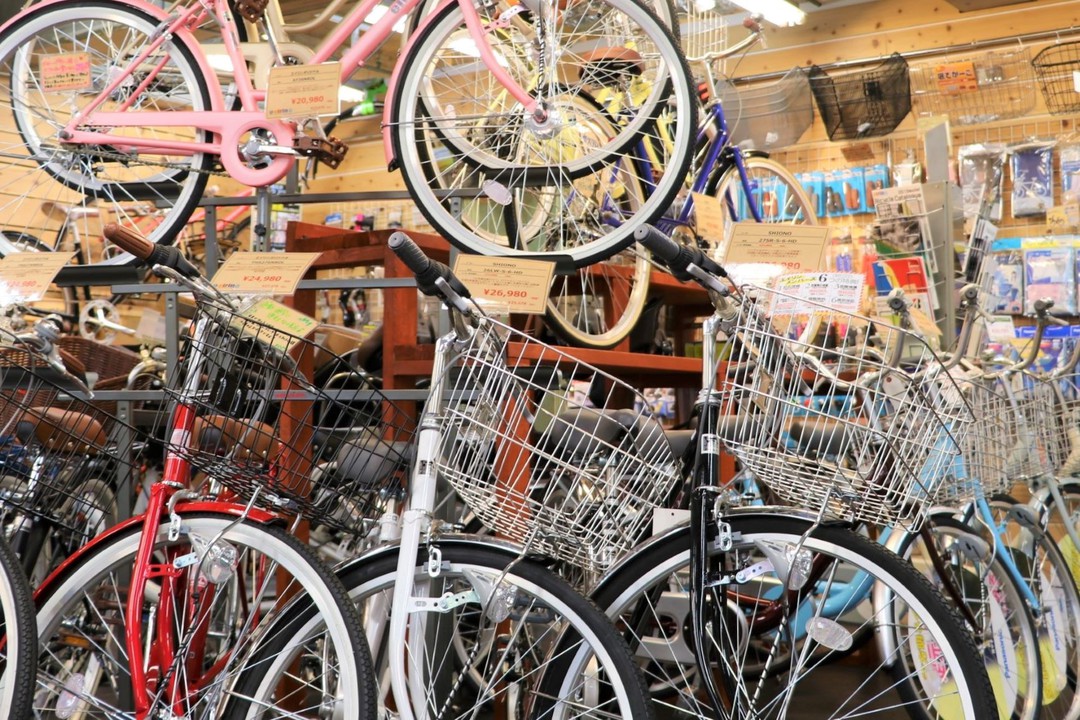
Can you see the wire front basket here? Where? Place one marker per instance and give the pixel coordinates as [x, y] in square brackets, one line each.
[985, 466]
[863, 103]
[871, 445]
[976, 88]
[56, 449]
[1058, 70]
[550, 452]
[702, 30]
[772, 116]
[318, 441]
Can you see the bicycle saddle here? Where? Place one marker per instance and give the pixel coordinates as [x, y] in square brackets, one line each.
[366, 462]
[57, 429]
[220, 435]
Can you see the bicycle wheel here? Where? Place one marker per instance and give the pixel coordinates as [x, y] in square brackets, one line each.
[1046, 573]
[599, 305]
[756, 622]
[496, 180]
[44, 172]
[1003, 628]
[226, 605]
[518, 640]
[779, 197]
[1056, 520]
[19, 652]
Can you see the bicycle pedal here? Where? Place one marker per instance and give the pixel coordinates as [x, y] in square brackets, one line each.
[252, 10]
[329, 152]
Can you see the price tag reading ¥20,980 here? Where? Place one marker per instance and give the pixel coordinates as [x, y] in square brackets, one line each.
[261, 273]
[518, 285]
[298, 91]
[26, 276]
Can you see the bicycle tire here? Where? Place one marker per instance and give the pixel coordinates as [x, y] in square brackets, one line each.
[1049, 576]
[53, 171]
[763, 173]
[658, 569]
[557, 674]
[17, 627]
[664, 9]
[529, 187]
[1007, 631]
[83, 596]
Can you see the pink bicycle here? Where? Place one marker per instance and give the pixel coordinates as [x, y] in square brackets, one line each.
[490, 114]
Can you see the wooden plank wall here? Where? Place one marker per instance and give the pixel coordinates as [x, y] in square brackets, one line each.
[876, 29]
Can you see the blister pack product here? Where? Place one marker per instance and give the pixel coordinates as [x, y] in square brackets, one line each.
[1006, 277]
[1050, 273]
[814, 185]
[979, 165]
[1032, 166]
[854, 190]
[875, 177]
[1069, 152]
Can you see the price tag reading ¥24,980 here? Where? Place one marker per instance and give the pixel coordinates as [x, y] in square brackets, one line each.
[263, 273]
[518, 285]
[298, 91]
[26, 276]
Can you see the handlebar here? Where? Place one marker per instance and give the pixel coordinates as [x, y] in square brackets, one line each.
[428, 272]
[677, 256]
[149, 253]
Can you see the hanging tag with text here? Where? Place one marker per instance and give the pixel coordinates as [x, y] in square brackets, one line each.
[515, 284]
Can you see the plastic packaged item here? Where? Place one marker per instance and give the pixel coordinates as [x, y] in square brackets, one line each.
[814, 185]
[908, 172]
[980, 164]
[875, 177]
[1006, 277]
[1050, 273]
[1032, 166]
[1069, 152]
[854, 190]
[834, 194]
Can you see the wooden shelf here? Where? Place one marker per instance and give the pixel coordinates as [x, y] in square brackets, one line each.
[405, 361]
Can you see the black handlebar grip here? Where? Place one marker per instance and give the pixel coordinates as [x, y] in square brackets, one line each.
[171, 257]
[427, 271]
[409, 253]
[660, 244]
[1042, 305]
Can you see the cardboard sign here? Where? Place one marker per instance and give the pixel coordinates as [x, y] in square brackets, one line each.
[520, 286]
[802, 293]
[263, 273]
[278, 326]
[68, 71]
[26, 276]
[795, 248]
[956, 78]
[709, 217]
[296, 91]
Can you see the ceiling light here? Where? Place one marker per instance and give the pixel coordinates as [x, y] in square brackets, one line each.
[778, 12]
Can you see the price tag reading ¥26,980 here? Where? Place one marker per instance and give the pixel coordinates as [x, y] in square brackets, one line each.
[261, 273]
[26, 276]
[297, 91]
[518, 285]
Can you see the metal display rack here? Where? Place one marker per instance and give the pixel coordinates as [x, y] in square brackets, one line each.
[976, 87]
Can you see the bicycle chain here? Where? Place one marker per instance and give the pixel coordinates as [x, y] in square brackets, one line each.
[130, 160]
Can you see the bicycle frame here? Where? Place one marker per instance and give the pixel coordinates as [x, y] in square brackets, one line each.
[229, 127]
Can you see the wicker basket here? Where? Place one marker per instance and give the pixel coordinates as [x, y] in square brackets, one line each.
[1058, 70]
[863, 103]
[976, 88]
[772, 116]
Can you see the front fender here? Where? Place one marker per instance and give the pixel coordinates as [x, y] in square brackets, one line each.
[485, 542]
[391, 86]
[183, 509]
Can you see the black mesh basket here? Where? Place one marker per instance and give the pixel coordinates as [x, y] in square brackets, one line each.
[863, 103]
[321, 442]
[1058, 70]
